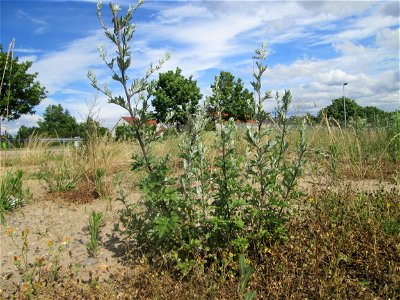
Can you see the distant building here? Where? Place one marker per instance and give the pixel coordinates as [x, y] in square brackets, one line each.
[248, 123]
[124, 121]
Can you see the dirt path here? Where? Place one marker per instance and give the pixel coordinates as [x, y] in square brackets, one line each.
[54, 221]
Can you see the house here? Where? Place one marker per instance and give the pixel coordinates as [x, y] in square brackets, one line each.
[248, 123]
[124, 121]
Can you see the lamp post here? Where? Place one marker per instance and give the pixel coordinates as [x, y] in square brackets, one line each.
[344, 107]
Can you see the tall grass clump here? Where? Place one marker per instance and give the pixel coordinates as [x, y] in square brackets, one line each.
[35, 151]
[61, 173]
[12, 194]
[360, 151]
[69, 167]
[97, 156]
[393, 137]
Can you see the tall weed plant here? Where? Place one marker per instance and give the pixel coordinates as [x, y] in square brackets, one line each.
[209, 214]
[202, 214]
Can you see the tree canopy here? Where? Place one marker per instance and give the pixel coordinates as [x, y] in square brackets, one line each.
[372, 114]
[336, 109]
[234, 100]
[173, 92]
[58, 122]
[20, 90]
[90, 127]
[25, 132]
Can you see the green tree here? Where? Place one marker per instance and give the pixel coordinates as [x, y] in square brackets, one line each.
[173, 92]
[336, 110]
[58, 122]
[374, 115]
[92, 127]
[233, 99]
[20, 91]
[124, 133]
[25, 132]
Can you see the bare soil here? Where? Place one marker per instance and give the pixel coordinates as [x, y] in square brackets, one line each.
[58, 216]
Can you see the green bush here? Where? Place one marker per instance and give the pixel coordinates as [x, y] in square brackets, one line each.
[95, 222]
[210, 214]
[203, 214]
[60, 177]
[11, 192]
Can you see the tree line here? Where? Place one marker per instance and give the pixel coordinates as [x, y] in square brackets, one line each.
[58, 122]
[173, 92]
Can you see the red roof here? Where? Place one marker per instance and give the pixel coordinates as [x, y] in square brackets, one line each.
[131, 121]
[214, 114]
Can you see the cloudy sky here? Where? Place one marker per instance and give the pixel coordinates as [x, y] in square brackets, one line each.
[314, 47]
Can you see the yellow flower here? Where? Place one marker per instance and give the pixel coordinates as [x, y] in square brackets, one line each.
[312, 200]
[40, 261]
[50, 243]
[388, 205]
[10, 231]
[25, 232]
[24, 287]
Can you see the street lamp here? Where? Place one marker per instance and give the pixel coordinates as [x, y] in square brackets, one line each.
[344, 107]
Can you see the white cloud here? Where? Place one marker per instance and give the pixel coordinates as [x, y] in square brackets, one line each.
[41, 25]
[25, 58]
[178, 14]
[13, 126]
[314, 81]
[59, 69]
[27, 50]
[388, 39]
[335, 77]
[364, 28]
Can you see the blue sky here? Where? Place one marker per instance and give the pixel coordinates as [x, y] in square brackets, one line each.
[314, 47]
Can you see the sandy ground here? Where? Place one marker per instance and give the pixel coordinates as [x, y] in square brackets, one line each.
[50, 218]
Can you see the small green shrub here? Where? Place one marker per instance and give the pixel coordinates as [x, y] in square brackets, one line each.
[204, 213]
[95, 222]
[245, 272]
[60, 177]
[12, 194]
[210, 214]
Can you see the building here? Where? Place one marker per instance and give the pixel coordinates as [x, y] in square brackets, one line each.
[124, 121]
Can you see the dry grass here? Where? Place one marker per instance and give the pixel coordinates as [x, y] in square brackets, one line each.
[33, 153]
[361, 152]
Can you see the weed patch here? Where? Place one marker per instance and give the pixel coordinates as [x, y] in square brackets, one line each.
[12, 194]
